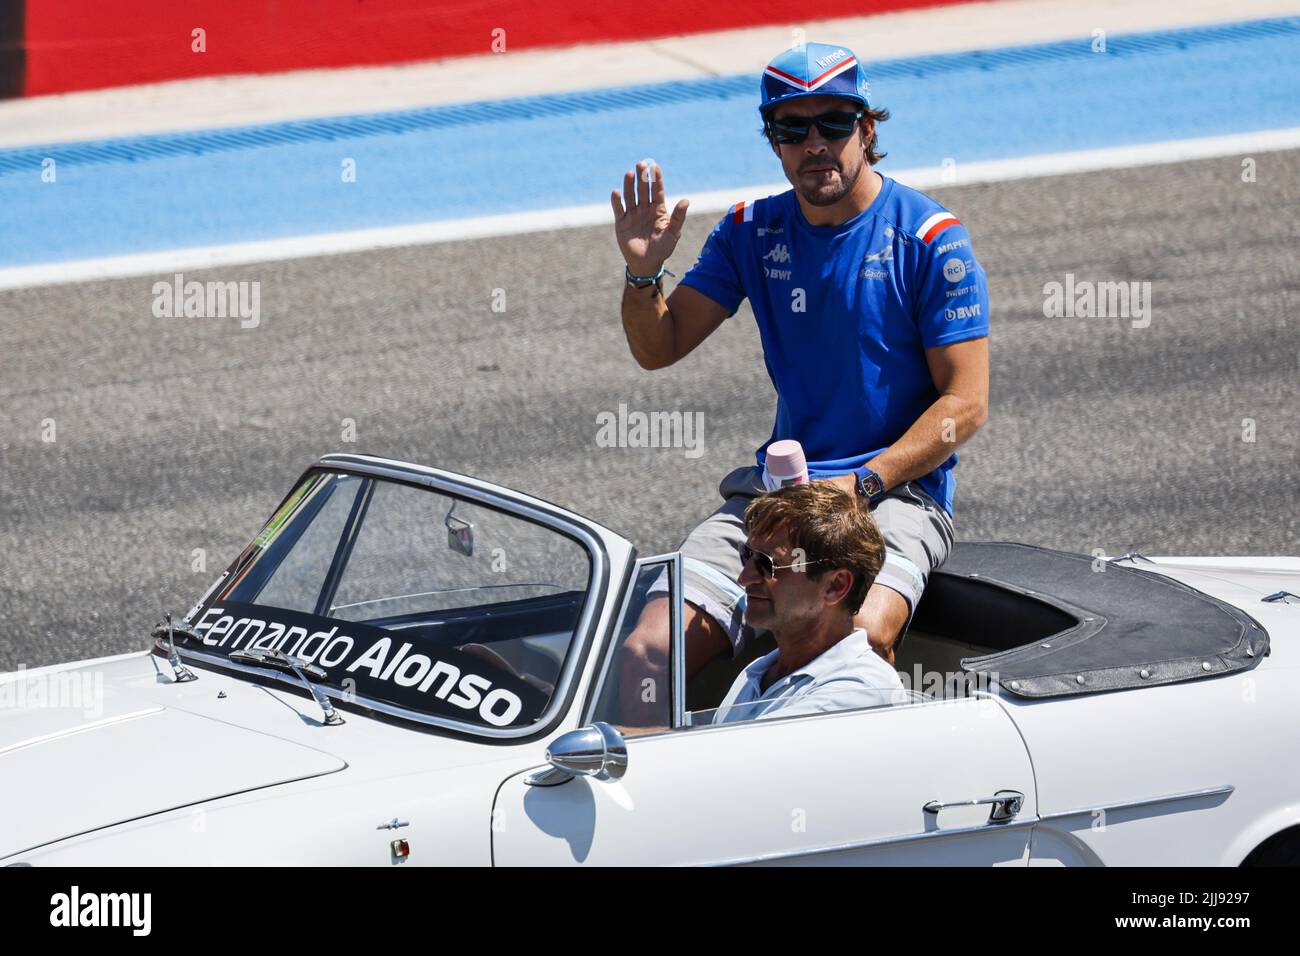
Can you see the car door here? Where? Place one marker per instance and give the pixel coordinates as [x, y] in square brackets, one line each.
[909, 784]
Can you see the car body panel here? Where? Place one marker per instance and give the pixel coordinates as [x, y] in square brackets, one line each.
[73, 779]
[325, 822]
[372, 771]
[840, 788]
[1108, 765]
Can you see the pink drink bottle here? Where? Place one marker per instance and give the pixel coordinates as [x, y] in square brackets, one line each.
[784, 465]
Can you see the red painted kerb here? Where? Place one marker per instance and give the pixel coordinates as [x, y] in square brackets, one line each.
[67, 45]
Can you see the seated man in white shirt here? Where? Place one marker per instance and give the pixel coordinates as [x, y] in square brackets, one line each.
[812, 552]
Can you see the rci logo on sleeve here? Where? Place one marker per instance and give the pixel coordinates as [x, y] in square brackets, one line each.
[102, 909]
[954, 270]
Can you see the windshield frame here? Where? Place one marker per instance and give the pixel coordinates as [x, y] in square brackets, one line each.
[532, 509]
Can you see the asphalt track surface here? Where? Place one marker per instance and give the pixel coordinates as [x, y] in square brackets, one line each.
[181, 434]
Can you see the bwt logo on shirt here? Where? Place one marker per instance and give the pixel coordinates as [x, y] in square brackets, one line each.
[962, 312]
[778, 253]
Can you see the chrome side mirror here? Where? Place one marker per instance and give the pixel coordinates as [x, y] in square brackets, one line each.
[596, 751]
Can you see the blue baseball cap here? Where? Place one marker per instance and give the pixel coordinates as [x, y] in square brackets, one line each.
[814, 69]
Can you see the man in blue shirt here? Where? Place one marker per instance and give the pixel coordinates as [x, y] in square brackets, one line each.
[873, 314]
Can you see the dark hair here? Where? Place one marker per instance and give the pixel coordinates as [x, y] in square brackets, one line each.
[833, 528]
[877, 116]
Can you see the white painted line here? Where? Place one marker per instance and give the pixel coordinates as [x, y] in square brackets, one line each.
[459, 230]
[1110, 157]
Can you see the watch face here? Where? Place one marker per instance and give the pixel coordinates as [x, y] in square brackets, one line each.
[871, 485]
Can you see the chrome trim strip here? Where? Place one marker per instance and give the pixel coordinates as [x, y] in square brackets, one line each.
[982, 828]
[881, 841]
[593, 695]
[1145, 802]
[607, 651]
[81, 728]
[678, 640]
[472, 490]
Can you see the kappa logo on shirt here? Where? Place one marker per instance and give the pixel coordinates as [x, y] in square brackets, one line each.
[778, 253]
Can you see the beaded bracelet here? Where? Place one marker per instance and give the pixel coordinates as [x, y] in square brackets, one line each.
[640, 282]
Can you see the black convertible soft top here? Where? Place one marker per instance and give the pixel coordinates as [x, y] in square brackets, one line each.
[1063, 627]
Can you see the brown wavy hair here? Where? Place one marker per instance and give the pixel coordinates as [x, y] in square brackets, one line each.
[833, 527]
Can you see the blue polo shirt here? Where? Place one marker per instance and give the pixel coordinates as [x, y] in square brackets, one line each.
[846, 313]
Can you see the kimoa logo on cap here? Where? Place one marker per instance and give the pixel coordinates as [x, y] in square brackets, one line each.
[831, 58]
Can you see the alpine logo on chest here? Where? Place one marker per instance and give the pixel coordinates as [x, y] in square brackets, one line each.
[875, 264]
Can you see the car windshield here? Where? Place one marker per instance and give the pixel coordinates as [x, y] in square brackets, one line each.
[413, 601]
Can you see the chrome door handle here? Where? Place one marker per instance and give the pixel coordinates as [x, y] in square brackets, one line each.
[1006, 805]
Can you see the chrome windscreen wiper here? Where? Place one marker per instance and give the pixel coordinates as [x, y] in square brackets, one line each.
[171, 632]
[278, 660]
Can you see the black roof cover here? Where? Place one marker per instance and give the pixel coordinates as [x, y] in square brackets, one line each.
[1118, 624]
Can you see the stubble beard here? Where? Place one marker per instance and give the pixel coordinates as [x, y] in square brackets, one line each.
[828, 194]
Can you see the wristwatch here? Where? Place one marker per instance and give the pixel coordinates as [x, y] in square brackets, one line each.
[869, 484]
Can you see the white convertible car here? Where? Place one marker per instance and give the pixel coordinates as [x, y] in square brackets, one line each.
[410, 667]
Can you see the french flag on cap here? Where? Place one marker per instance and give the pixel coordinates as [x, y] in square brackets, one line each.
[812, 69]
[807, 86]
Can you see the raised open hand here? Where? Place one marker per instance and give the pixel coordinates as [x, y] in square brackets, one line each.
[646, 233]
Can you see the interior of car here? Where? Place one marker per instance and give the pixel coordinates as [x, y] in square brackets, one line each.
[958, 617]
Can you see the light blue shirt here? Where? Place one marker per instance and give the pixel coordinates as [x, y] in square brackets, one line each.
[846, 676]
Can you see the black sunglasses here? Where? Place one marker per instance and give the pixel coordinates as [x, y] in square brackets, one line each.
[794, 129]
[765, 565]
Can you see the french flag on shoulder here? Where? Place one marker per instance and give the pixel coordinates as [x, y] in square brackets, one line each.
[743, 211]
[935, 225]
